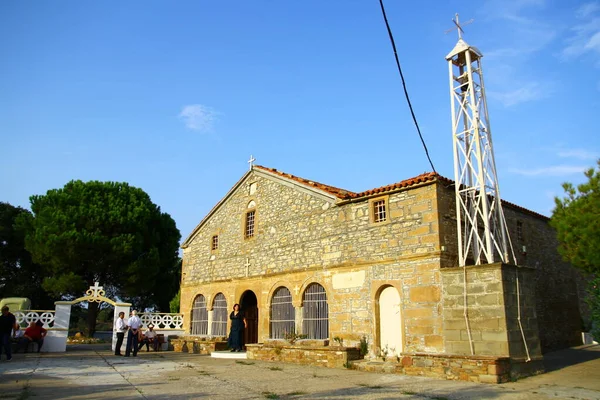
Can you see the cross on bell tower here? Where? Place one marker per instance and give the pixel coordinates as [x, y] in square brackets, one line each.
[481, 226]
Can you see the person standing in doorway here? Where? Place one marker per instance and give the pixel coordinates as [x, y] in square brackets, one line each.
[8, 323]
[121, 328]
[134, 323]
[236, 334]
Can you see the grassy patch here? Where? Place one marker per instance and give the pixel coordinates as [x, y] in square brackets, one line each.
[242, 362]
[25, 393]
[296, 393]
[408, 392]
[173, 378]
[439, 398]
[276, 368]
[366, 385]
[270, 395]
[203, 373]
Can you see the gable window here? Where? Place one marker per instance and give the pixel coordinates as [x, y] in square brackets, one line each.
[379, 211]
[199, 316]
[249, 227]
[520, 231]
[214, 243]
[315, 312]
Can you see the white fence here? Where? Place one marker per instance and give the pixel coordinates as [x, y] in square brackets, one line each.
[162, 321]
[26, 317]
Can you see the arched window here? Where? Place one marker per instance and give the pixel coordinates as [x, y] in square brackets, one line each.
[219, 320]
[315, 312]
[283, 314]
[199, 316]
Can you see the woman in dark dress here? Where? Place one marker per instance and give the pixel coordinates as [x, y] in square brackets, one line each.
[236, 334]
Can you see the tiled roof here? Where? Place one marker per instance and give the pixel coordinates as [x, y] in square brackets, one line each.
[340, 193]
[346, 194]
[343, 194]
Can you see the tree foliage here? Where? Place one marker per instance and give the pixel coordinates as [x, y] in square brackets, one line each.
[105, 232]
[19, 275]
[576, 219]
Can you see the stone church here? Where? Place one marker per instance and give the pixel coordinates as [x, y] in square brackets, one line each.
[379, 266]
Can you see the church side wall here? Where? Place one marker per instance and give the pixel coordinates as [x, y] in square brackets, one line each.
[304, 238]
[558, 286]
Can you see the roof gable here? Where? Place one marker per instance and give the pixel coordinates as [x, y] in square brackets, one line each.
[333, 193]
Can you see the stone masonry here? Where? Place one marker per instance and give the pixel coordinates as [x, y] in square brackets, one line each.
[307, 232]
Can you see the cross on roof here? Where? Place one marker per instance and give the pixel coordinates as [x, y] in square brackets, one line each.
[251, 161]
[458, 26]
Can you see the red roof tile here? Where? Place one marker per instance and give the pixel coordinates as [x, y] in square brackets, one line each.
[348, 195]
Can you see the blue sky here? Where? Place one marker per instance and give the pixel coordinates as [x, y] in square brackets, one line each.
[174, 97]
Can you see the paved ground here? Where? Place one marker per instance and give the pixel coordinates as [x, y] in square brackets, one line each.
[91, 372]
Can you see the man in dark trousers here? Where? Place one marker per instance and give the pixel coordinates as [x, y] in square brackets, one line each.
[134, 324]
[8, 322]
[121, 328]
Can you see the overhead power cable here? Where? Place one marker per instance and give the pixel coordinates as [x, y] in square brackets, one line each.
[404, 84]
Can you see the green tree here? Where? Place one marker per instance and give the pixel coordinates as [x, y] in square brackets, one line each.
[576, 219]
[174, 304]
[19, 275]
[105, 232]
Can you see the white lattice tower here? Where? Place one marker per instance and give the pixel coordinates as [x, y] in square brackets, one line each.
[482, 232]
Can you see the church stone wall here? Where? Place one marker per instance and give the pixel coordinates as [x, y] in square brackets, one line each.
[305, 237]
[558, 287]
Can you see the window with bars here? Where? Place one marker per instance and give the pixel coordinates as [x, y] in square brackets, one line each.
[315, 312]
[214, 243]
[520, 231]
[199, 316]
[379, 211]
[249, 227]
[283, 314]
[219, 320]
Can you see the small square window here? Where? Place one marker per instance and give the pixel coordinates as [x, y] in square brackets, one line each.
[249, 229]
[379, 211]
[214, 243]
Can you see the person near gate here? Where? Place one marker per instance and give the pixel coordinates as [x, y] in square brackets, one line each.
[236, 334]
[149, 338]
[8, 323]
[120, 328]
[134, 324]
[34, 334]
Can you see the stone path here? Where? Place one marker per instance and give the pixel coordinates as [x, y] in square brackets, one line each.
[93, 373]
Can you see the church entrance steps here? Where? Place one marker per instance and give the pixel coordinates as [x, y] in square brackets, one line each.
[229, 354]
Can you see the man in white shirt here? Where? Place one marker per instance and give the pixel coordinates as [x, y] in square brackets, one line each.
[149, 338]
[134, 323]
[120, 327]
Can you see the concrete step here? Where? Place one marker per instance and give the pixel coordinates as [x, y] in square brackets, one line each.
[228, 354]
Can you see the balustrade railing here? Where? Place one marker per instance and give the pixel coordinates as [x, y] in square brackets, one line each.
[162, 320]
[26, 317]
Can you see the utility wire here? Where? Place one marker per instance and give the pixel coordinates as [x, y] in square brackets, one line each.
[404, 84]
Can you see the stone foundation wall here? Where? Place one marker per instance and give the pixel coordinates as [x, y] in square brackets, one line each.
[197, 345]
[465, 368]
[323, 356]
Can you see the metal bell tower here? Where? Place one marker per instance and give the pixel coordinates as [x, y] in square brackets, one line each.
[482, 233]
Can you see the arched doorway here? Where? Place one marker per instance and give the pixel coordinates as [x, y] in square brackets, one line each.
[390, 321]
[249, 306]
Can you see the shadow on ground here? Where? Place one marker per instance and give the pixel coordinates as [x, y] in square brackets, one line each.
[565, 358]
